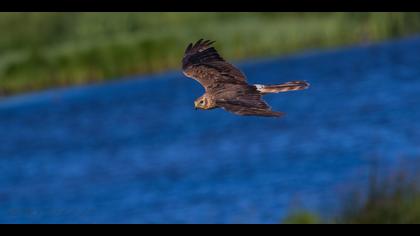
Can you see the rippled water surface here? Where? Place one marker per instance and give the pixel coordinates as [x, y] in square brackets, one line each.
[135, 151]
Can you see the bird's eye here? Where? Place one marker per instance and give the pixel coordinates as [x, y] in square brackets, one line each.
[202, 102]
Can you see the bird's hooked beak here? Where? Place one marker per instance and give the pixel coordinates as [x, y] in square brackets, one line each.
[195, 105]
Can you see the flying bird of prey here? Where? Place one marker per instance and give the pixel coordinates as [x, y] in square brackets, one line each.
[226, 86]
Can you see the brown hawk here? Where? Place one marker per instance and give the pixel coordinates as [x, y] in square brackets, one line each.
[226, 86]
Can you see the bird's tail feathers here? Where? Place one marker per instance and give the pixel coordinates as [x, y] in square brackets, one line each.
[278, 88]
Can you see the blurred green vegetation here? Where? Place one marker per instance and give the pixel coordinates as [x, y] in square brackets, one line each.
[388, 210]
[391, 201]
[43, 50]
[302, 217]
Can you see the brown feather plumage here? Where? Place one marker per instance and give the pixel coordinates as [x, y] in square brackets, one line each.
[225, 85]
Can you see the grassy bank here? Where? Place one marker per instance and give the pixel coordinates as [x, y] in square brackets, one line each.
[393, 200]
[43, 50]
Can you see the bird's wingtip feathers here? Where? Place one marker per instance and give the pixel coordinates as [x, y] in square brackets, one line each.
[199, 45]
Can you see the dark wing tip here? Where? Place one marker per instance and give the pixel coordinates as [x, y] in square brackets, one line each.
[200, 45]
[188, 48]
[197, 44]
[207, 43]
[210, 43]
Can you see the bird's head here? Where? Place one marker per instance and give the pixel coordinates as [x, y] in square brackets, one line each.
[202, 102]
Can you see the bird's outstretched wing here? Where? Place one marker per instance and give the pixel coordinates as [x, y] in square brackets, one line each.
[204, 64]
[248, 104]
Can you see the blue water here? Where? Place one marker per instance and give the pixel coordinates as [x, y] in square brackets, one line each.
[135, 151]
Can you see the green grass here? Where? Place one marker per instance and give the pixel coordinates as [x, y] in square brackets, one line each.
[395, 200]
[44, 50]
[302, 217]
[398, 208]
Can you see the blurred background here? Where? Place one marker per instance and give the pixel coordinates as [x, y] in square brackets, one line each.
[97, 121]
